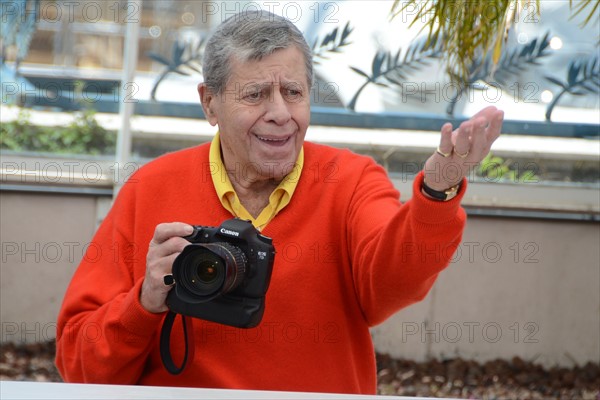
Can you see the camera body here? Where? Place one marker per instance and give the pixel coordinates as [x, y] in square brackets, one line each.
[223, 274]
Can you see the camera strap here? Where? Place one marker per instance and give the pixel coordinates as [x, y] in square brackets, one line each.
[165, 343]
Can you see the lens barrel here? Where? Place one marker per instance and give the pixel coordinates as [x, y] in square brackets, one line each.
[204, 271]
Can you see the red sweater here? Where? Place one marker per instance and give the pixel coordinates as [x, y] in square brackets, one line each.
[349, 255]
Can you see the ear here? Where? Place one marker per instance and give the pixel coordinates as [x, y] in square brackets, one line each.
[208, 101]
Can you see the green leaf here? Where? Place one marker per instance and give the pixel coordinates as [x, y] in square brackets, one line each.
[511, 176]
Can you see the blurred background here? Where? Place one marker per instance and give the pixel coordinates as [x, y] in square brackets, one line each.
[91, 90]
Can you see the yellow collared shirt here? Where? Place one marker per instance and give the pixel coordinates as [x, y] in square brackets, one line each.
[279, 198]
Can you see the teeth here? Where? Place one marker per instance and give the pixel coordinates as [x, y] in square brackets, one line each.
[271, 140]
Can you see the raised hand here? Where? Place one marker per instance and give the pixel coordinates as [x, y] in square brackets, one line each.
[462, 149]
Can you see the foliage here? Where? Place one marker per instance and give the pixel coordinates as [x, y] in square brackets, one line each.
[470, 29]
[494, 169]
[388, 69]
[391, 69]
[185, 55]
[580, 5]
[332, 42]
[83, 136]
[583, 77]
[515, 60]
[466, 29]
[512, 61]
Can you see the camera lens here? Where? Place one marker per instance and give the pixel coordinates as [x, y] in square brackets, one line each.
[204, 271]
[207, 271]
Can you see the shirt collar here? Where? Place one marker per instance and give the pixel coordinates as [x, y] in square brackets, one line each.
[279, 198]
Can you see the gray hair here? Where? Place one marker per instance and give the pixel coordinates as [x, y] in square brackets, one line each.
[250, 36]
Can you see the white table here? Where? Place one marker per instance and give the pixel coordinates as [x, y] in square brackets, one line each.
[64, 391]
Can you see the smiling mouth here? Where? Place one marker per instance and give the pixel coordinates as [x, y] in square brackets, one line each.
[274, 141]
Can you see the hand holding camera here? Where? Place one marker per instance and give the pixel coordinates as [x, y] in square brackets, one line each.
[165, 246]
[214, 265]
[220, 274]
[223, 274]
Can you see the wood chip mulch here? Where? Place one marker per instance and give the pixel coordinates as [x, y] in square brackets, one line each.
[453, 378]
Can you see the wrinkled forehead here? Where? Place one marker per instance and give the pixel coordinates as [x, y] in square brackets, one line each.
[282, 67]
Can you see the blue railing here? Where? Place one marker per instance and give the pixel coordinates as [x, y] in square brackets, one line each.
[327, 116]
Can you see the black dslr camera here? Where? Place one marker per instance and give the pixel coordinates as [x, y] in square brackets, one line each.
[223, 275]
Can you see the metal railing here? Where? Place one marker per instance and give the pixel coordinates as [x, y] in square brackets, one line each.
[325, 116]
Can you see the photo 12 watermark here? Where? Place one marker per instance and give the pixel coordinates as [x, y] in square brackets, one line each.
[470, 332]
[66, 92]
[519, 12]
[68, 172]
[315, 11]
[67, 11]
[70, 252]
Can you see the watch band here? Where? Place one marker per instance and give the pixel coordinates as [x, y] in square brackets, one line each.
[443, 195]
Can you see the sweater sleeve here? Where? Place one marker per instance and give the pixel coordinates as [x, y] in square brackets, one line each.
[104, 334]
[397, 250]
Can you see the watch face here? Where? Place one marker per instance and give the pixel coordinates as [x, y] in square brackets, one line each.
[451, 193]
[445, 195]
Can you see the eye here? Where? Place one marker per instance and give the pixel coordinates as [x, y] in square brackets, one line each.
[253, 96]
[292, 93]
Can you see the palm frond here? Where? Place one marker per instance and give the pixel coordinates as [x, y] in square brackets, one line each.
[583, 78]
[184, 56]
[516, 60]
[332, 42]
[389, 69]
[577, 7]
[467, 29]
[512, 61]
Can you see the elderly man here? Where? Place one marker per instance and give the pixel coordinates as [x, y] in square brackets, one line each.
[349, 254]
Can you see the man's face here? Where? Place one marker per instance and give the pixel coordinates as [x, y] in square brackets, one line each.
[262, 114]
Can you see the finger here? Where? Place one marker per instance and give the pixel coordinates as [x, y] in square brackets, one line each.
[479, 140]
[166, 231]
[445, 147]
[154, 291]
[495, 128]
[161, 267]
[462, 143]
[487, 113]
[173, 245]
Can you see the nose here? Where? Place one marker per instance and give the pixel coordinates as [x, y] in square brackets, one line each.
[277, 110]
